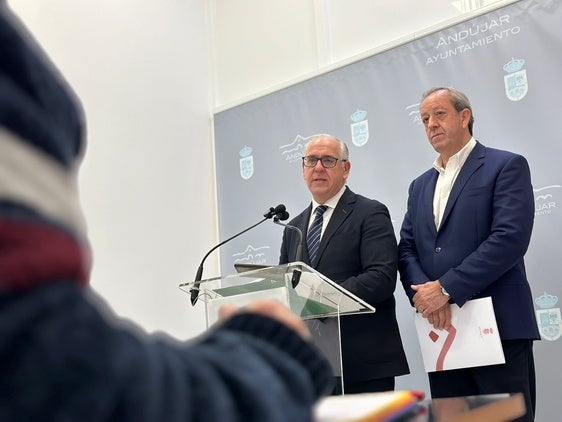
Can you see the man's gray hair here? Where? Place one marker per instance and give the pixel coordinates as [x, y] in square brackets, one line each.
[344, 150]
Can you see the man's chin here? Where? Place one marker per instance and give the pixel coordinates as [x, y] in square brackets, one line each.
[318, 189]
[436, 144]
[319, 195]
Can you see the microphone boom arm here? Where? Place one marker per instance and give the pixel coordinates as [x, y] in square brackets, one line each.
[296, 273]
[194, 290]
[277, 212]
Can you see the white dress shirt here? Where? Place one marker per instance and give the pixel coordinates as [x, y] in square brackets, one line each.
[331, 204]
[446, 179]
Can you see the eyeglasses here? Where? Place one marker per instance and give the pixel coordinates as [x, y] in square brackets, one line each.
[327, 162]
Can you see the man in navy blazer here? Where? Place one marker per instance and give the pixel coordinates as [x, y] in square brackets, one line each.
[467, 227]
[358, 250]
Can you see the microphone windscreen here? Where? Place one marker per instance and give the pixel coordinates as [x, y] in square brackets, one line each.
[283, 216]
[279, 209]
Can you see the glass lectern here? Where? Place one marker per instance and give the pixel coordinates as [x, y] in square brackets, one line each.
[318, 300]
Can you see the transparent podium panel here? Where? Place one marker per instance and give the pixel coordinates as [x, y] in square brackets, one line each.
[307, 292]
[318, 300]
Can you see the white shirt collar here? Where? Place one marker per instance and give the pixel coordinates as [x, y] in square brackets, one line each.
[332, 202]
[460, 156]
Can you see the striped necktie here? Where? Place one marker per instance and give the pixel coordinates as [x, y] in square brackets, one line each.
[314, 233]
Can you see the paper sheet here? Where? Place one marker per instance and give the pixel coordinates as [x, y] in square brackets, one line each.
[472, 340]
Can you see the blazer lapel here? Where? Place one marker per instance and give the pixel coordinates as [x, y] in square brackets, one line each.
[303, 225]
[474, 160]
[427, 201]
[341, 213]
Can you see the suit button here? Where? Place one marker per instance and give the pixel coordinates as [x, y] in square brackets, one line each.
[437, 249]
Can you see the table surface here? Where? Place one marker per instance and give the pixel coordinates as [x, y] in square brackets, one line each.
[409, 406]
[489, 408]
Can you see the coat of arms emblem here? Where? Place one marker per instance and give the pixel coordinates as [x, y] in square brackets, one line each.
[548, 317]
[246, 163]
[359, 128]
[515, 81]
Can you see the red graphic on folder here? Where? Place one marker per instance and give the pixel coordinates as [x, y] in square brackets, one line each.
[446, 345]
[433, 336]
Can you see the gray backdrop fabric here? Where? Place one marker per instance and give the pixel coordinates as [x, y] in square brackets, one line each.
[509, 63]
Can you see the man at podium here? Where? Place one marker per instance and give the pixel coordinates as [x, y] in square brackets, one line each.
[350, 239]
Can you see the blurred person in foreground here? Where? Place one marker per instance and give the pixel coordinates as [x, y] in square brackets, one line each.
[63, 356]
[467, 227]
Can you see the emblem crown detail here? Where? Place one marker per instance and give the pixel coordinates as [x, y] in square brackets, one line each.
[245, 152]
[514, 65]
[546, 301]
[359, 115]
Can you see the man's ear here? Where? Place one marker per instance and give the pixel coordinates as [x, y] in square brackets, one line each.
[465, 116]
[347, 167]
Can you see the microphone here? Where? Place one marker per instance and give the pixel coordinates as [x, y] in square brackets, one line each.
[281, 217]
[277, 212]
[298, 255]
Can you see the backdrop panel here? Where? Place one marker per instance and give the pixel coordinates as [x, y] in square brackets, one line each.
[507, 61]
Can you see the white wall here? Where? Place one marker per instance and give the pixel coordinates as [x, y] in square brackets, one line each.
[263, 45]
[140, 68]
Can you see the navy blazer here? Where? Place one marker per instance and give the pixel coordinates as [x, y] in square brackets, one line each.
[358, 250]
[484, 234]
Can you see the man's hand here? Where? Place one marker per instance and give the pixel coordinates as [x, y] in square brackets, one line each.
[269, 308]
[429, 298]
[441, 318]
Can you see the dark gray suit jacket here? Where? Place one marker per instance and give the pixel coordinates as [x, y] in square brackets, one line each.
[359, 252]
